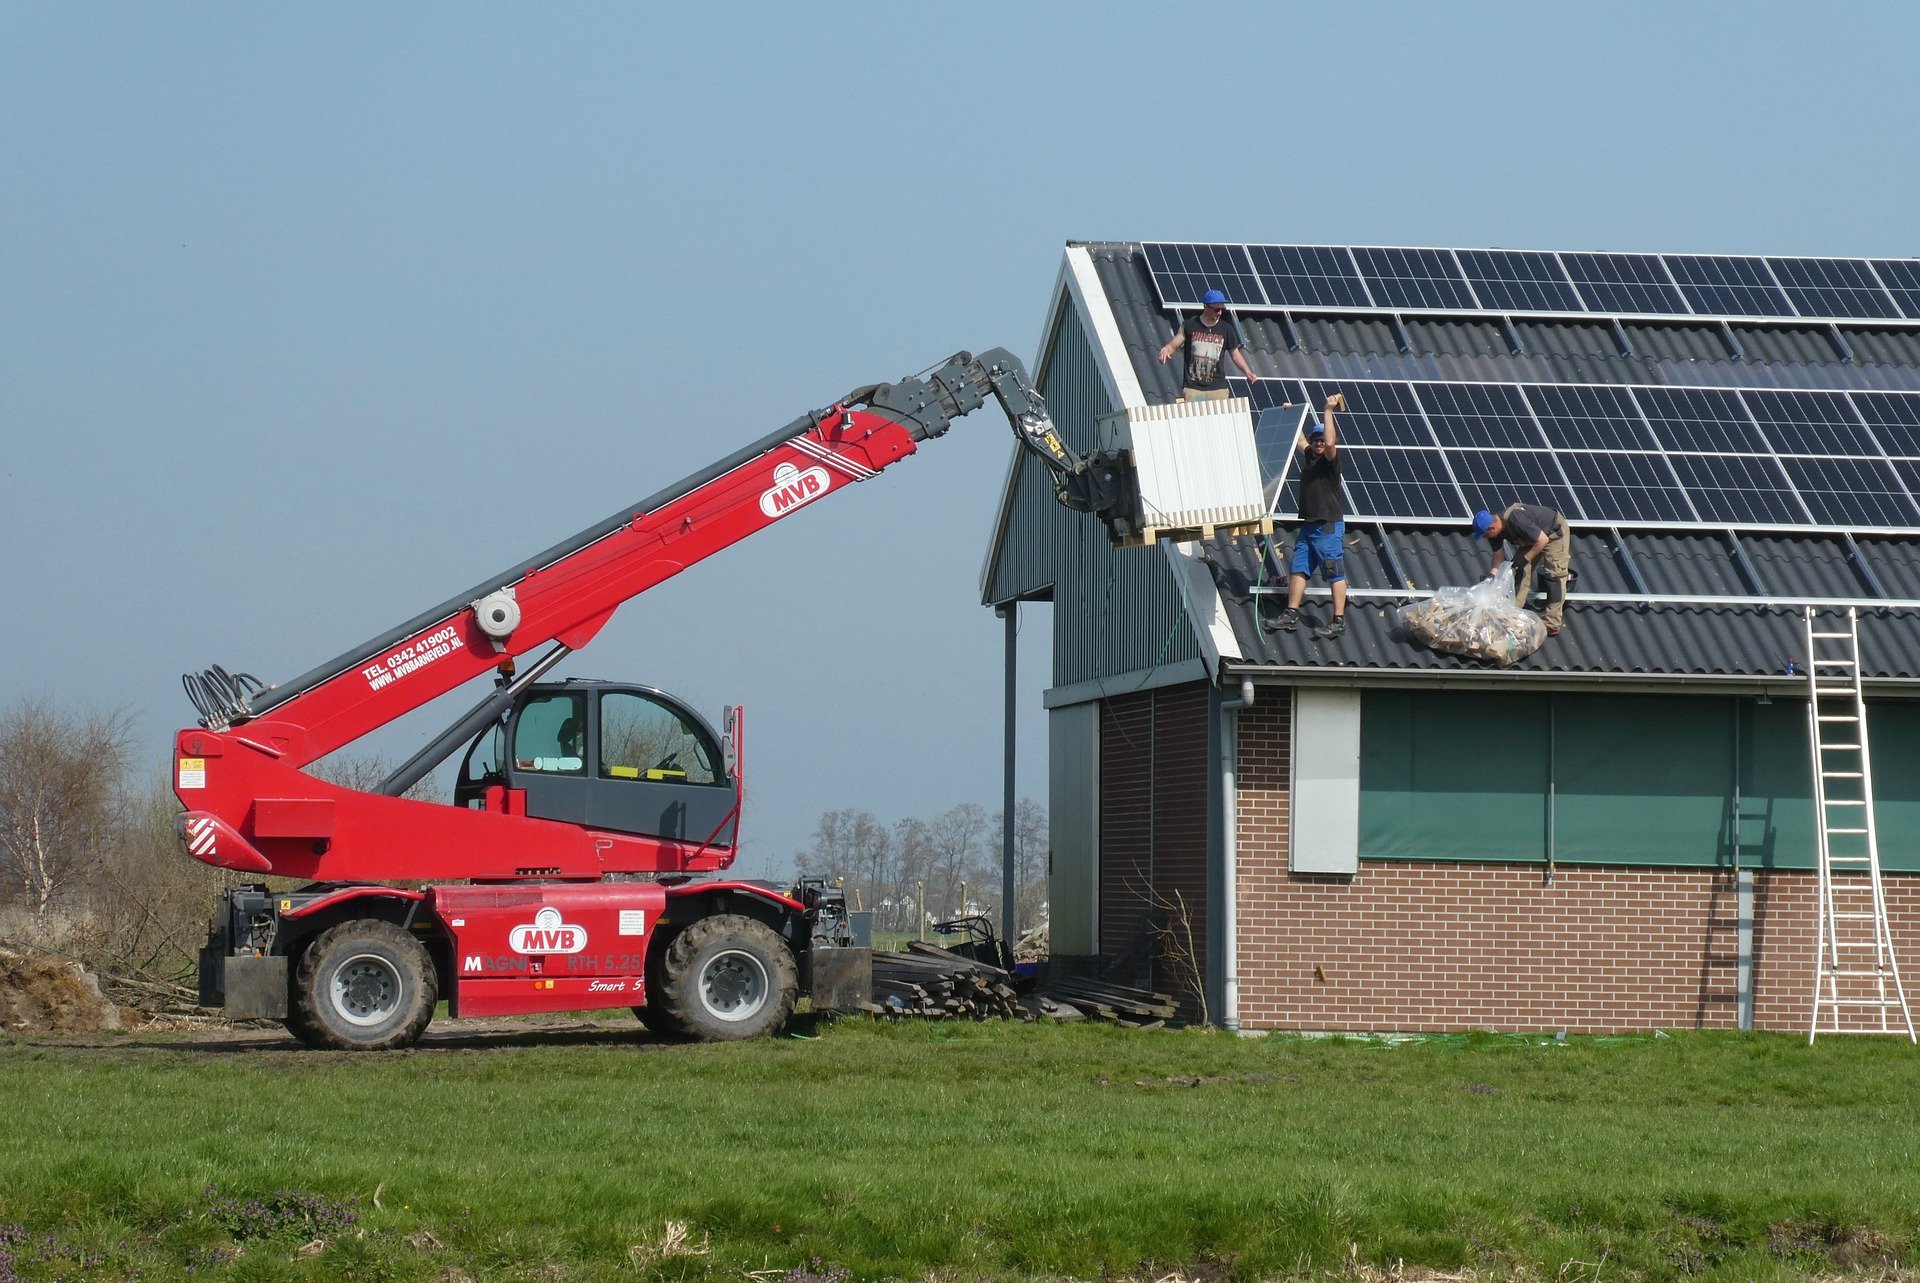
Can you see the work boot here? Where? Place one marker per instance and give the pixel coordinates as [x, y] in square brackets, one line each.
[1335, 627]
[1286, 621]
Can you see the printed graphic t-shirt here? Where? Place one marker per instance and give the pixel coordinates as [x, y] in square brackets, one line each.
[1207, 348]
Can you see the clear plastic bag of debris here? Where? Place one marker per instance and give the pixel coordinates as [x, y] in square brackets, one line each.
[1478, 622]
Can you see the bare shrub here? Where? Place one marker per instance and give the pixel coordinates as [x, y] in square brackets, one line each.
[60, 778]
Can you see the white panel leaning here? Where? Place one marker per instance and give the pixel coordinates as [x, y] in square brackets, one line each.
[1195, 464]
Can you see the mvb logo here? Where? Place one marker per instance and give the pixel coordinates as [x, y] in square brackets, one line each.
[547, 934]
[791, 488]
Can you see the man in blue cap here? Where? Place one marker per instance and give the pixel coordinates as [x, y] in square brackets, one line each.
[1540, 537]
[1208, 338]
[1322, 541]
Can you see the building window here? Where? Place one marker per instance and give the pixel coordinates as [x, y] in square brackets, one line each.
[1614, 779]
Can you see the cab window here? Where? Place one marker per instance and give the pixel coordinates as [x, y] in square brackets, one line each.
[551, 735]
[642, 739]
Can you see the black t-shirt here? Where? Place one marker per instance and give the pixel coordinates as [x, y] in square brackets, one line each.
[1207, 347]
[1319, 487]
[1526, 522]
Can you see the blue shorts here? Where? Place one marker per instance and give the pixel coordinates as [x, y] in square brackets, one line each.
[1324, 546]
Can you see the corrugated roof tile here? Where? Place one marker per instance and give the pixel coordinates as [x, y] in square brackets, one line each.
[1659, 640]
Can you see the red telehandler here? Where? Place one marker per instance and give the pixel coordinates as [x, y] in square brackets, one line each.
[563, 876]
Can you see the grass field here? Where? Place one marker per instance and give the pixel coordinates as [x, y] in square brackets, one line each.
[960, 1152]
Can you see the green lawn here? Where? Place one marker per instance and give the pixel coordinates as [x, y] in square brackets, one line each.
[964, 1152]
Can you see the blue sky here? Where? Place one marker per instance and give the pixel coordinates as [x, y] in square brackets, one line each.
[313, 315]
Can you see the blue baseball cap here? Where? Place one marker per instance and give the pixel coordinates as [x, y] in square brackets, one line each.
[1482, 522]
[1316, 429]
[1213, 296]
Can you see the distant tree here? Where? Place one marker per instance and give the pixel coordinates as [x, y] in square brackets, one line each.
[854, 847]
[363, 773]
[957, 838]
[60, 783]
[1032, 862]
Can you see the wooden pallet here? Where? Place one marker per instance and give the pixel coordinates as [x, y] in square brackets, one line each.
[1182, 534]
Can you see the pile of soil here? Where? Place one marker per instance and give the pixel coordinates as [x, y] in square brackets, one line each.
[46, 995]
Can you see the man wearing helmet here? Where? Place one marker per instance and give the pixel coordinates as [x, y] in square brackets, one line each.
[1539, 537]
[1208, 338]
[1323, 528]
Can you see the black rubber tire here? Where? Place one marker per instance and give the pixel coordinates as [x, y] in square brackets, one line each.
[713, 952]
[395, 986]
[654, 1014]
[659, 1023]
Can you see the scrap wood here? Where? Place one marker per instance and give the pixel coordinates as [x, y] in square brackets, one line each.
[926, 981]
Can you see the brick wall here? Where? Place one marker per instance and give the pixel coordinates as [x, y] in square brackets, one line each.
[1405, 946]
[1153, 837]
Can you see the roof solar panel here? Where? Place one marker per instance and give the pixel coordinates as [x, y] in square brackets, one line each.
[1894, 418]
[1832, 287]
[1706, 419]
[1487, 415]
[1901, 276]
[1626, 487]
[1519, 280]
[1852, 492]
[1816, 423]
[1419, 278]
[1267, 394]
[1727, 284]
[1385, 482]
[1183, 273]
[1492, 479]
[1740, 489]
[1589, 418]
[1308, 275]
[1275, 432]
[1624, 283]
[1376, 413]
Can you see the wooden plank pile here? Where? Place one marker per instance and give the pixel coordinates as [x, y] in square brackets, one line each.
[928, 982]
[1102, 1000]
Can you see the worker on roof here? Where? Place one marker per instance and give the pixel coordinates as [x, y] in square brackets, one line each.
[1323, 529]
[1539, 536]
[1208, 338]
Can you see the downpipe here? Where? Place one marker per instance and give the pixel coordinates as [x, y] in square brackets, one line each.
[1229, 836]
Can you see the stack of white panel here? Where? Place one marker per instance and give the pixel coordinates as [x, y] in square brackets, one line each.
[1194, 462]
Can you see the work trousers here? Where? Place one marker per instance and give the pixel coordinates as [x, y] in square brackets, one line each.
[1555, 561]
[1204, 394]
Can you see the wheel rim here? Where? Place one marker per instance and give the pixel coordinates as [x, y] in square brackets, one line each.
[366, 989]
[733, 985]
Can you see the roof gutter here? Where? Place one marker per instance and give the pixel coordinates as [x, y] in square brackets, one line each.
[1299, 675]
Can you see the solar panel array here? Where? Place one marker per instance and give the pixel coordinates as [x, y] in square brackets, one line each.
[1349, 278]
[1765, 459]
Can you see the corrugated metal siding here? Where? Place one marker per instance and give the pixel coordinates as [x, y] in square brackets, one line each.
[1114, 611]
[1037, 526]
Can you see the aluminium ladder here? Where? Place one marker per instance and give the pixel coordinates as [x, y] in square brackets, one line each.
[1856, 980]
